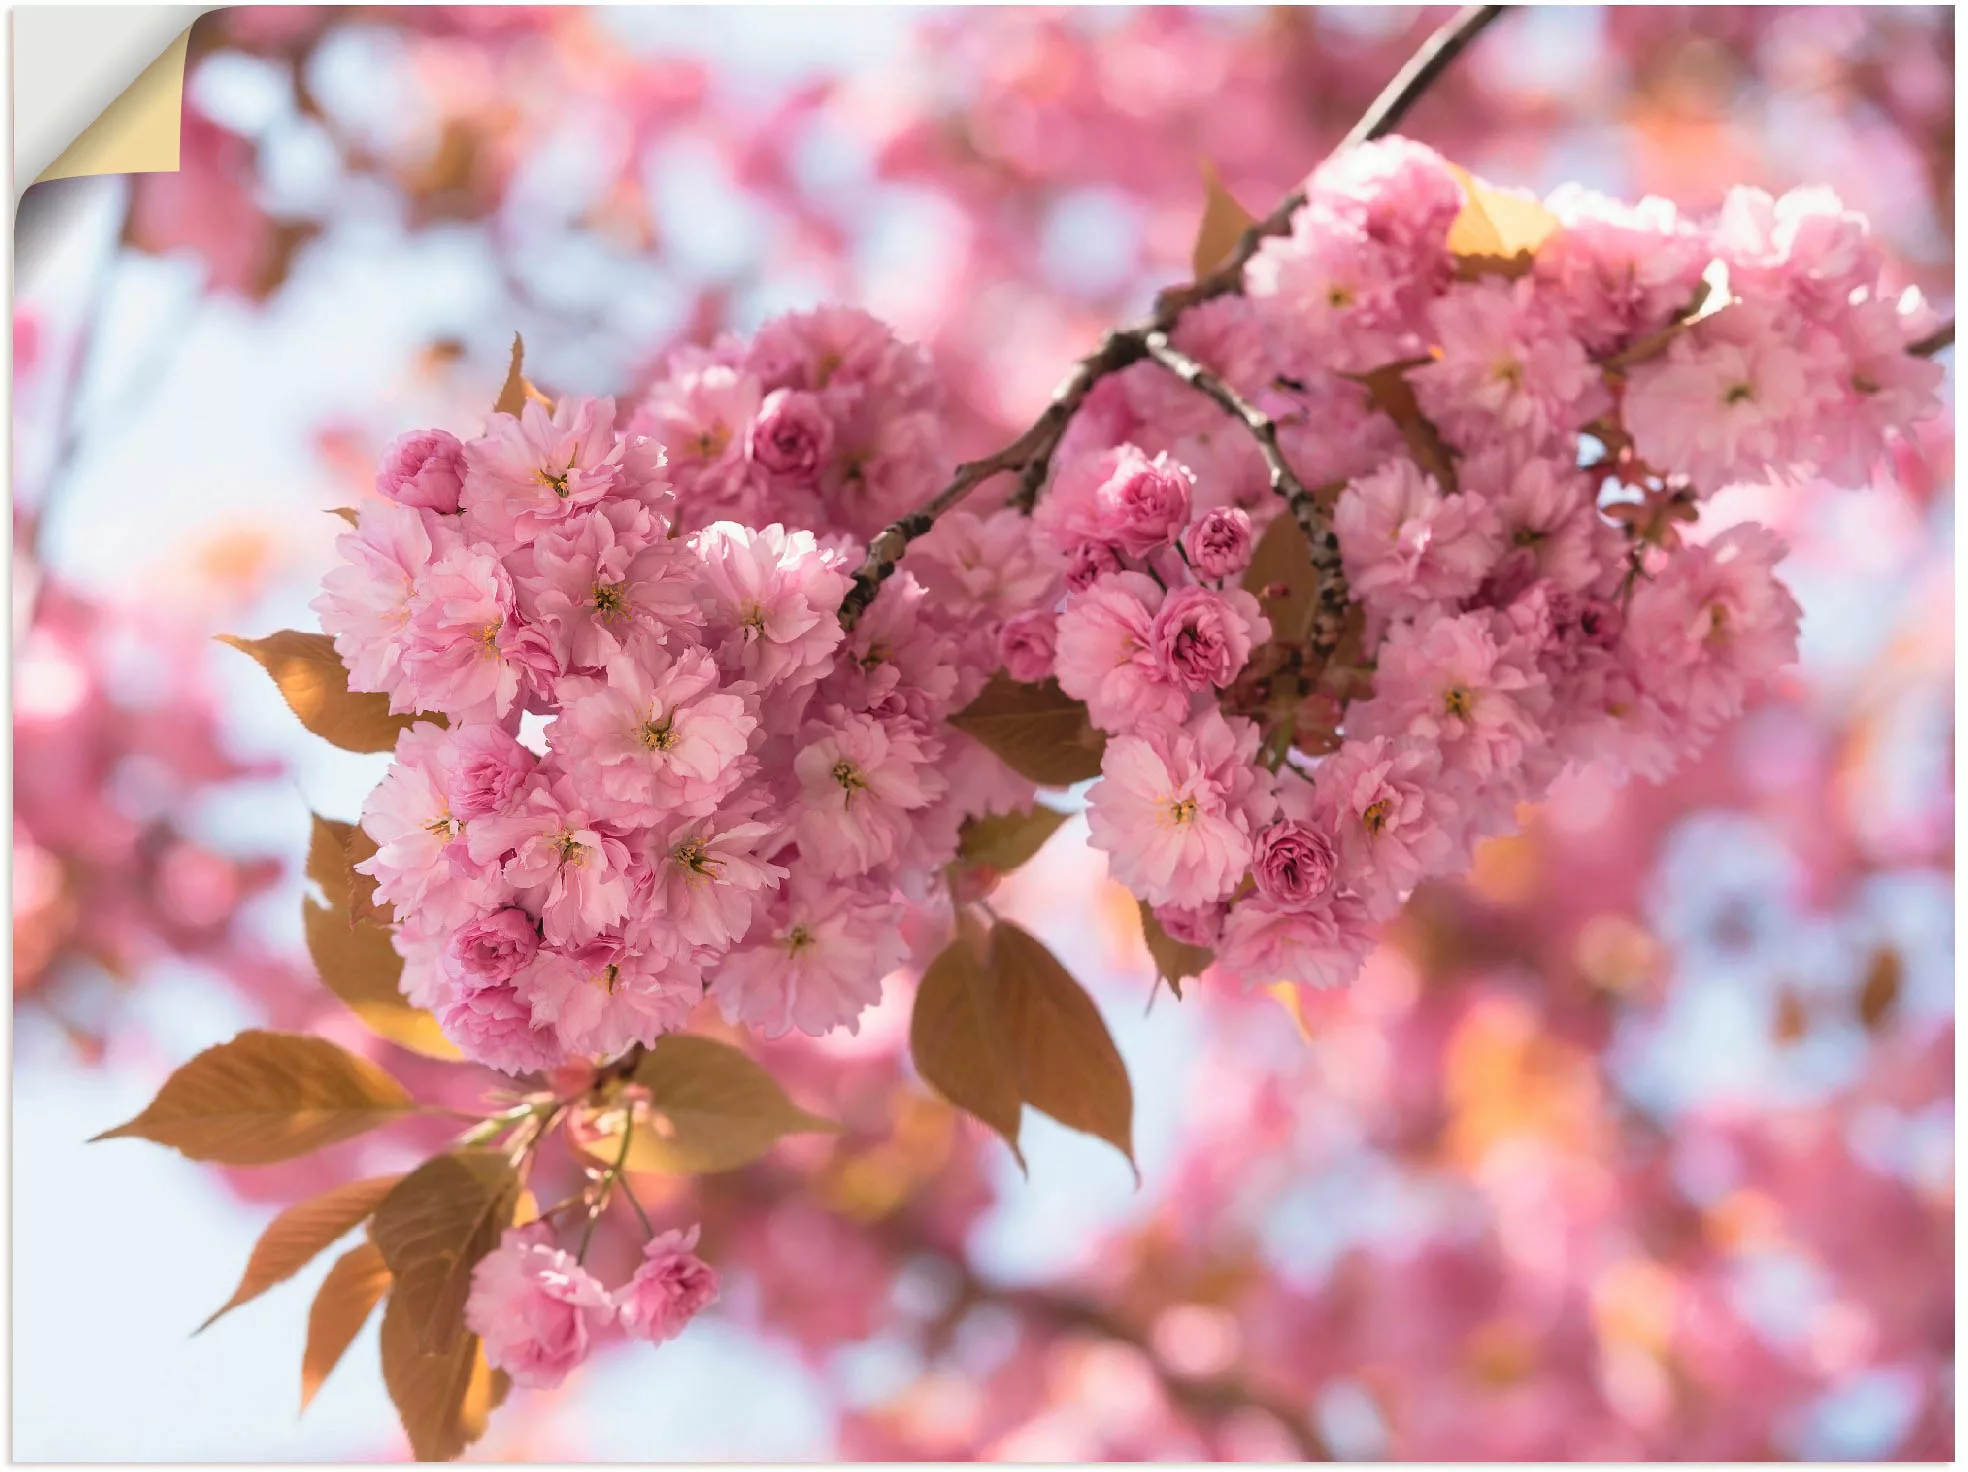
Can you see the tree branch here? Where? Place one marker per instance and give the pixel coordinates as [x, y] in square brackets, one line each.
[1329, 614]
[1031, 453]
[1933, 342]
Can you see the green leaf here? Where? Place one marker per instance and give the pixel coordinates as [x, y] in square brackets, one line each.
[267, 1096]
[959, 1041]
[1038, 731]
[314, 683]
[710, 1108]
[1007, 840]
[346, 1298]
[1066, 1061]
[295, 1237]
[358, 964]
[434, 1227]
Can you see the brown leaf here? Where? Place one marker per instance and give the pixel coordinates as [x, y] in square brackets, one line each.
[334, 849]
[1499, 230]
[314, 684]
[267, 1096]
[1282, 561]
[1394, 396]
[517, 390]
[1067, 1064]
[358, 964]
[347, 513]
[295, 1237]
[711, 1108]
[1792, 1019]
[348, 1295]
[958, 1039]
[1175, 960]
[1879, 994]
[512, 396]
[432, 1230]
[1223, 224]
[443, 1399]
[1007, 840]
[1038, 731]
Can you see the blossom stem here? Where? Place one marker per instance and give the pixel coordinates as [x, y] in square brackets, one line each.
[1030, 455]
[1329, 603]
[606, 1187]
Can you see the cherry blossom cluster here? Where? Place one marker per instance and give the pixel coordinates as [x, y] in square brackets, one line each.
[664, 771]
[1506, 457]
[538, 1311]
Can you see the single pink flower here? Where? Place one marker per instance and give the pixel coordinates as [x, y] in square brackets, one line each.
[860, 778]
[670, 1288]
[1106, 655]
[536, 1310]
[1026, 645]
[1176, 808]
[1219, 543]
[424, 468]
[654, 741]
[814, 962]
[1202, 638]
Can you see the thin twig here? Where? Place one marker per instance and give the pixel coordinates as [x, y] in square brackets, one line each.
[1934, 342]
[1329, 613]
[1031, 453]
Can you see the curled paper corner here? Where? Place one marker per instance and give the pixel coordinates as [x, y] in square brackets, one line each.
[98, 90]
[138, 133]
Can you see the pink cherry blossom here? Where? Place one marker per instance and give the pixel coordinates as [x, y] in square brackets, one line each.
[364, 601]
[1385, 805]
[657, 740]
[458, 638]
[534, 1308]
[770, 599]
[709, 876]
[860, 778]
[486, 770]
[1176, 808]
[670, 1287]
[605, 582]
[1219, 543]
[424, 468]
[1106, 655]
[1027, 643]
[601, 997]
[1202, 638]
[531, 471]
[814, 962]
[1292, 864]
[568, 867]
[1406, 546]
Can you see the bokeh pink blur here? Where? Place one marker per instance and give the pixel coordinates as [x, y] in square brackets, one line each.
[1636, 1145]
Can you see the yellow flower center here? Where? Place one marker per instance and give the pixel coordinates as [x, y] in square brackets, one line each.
[1182, 811]
[556, 480]
[850, 778]
[611, 601]
[1375, 817]
[572, 851]
[657, 736]
[693, 856]
[1738, 393]
[798, 939]
[1457, 700]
